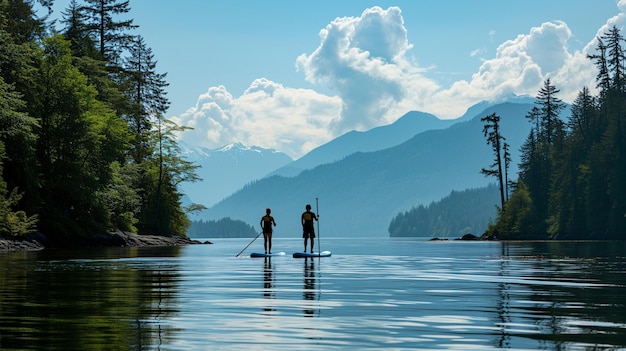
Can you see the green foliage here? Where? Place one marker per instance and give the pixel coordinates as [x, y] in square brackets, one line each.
[12, 223]
[518, 219]
[459, 213]
[121, 199]
[164, 171]
[572, 173]
[78, 118]
[223, 228]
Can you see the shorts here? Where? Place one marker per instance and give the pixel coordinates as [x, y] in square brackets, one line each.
[308, 234]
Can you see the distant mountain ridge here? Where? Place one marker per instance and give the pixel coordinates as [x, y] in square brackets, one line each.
[227, 169]
[404, 128]
[372, 140]
[360, 193]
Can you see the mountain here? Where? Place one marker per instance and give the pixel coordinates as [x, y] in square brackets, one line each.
[375, 139]
[227, 169]
[360, 194]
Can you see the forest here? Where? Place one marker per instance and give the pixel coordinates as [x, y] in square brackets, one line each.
[462, 212]
[572, 178]
[221, 228]
[84, 145]
[571, 183]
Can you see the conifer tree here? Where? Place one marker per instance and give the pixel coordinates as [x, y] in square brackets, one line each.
[112, 35]
[491, 130]
[146, 90]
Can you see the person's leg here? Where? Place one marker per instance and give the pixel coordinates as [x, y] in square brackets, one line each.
[312, 243]
[269, 239]
[265, 242]
[305, 239]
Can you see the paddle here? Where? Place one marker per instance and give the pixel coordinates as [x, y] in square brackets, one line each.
[317, 210]
[244, 249]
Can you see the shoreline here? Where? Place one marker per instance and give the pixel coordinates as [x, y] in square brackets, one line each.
[38, 241]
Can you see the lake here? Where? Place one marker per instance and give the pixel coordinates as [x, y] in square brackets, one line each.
[371, 294]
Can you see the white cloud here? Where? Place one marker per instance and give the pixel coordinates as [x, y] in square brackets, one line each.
[366, 61]
[269, 115]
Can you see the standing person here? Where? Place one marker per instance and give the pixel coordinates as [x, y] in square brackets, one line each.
[266, 225]
[308, 232]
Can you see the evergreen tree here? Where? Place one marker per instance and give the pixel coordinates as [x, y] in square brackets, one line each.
[21, 20]
[77, 32]
[111, 35]
[608, 172]
[570, 191]
[507, 165]
[615, 58]
[536, 165]
[602, 78]
[550, 107]
[491, 131]
[146, 89]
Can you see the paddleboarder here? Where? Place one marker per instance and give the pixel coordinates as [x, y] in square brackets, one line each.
[266, 225]
[308, 232]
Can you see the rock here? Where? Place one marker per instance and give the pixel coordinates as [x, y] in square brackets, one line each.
[123, 239]
[38, 241]
[31, 242]
[469, 237]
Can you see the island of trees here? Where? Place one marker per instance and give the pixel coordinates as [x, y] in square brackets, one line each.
[84, 145]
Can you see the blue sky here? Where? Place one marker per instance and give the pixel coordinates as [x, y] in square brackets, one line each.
[292, 75]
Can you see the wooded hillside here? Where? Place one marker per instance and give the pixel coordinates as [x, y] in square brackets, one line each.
[572, 179]
[84, 146]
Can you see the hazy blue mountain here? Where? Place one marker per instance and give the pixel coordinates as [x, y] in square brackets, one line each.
[372, 140]
[383, 137]
[361, 193]
[227, 169]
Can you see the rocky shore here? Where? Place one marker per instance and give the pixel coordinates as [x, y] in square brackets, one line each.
[35, 242]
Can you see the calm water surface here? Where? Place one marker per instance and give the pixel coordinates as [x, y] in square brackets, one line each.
[370, 294]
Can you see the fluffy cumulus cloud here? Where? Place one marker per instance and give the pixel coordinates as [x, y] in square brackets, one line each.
[269, 115]
[366, 61]
[519, 67]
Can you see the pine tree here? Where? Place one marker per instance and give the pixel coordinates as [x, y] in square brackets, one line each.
[146, 89]
[491, 130]
[111, 34]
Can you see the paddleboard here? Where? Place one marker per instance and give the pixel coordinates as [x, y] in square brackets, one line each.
[311, 254]
[260, 254]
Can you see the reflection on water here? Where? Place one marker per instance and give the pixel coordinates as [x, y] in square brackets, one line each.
[53, 303]
[309, 292]
[409, 295]
[268, 283]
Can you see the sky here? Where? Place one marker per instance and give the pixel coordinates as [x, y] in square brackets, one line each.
[293, 75]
